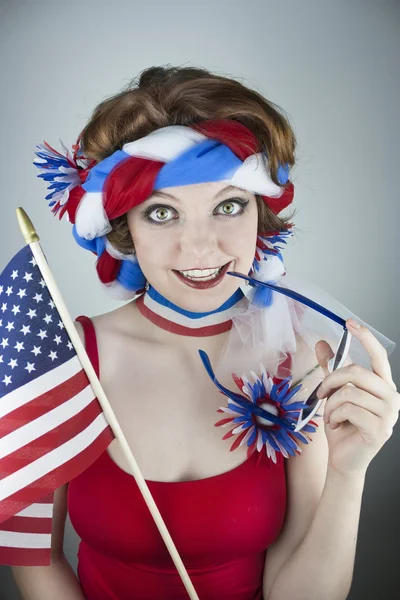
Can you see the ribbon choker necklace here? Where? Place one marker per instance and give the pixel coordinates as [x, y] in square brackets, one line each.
[171, 317]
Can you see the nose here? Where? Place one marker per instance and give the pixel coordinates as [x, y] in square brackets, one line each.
[197, 241]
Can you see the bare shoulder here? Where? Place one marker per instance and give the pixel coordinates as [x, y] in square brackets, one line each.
[119, 321]
[122, 344]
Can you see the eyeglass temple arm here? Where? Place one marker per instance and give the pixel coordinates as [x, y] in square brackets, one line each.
[295, 295]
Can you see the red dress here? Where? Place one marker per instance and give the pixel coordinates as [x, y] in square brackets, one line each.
[220, 525]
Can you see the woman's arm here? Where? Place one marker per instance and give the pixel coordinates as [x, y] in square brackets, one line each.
[322, 565]
[299, 558]
[362, 409]
[57, 581]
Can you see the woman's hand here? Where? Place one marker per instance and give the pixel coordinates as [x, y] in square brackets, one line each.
[362, 407]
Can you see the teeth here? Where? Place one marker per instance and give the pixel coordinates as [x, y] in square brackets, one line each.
[200, 272]
[203, 274]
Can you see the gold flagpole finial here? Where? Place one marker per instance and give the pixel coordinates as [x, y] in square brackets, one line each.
[26, 226]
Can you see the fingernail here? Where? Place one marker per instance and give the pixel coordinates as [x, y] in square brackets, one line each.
[354, 324]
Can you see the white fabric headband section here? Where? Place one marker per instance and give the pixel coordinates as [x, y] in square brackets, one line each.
[164, 145]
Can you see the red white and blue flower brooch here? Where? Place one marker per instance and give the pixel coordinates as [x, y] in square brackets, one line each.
[264, 415]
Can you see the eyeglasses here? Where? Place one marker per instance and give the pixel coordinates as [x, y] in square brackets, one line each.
[313, 403]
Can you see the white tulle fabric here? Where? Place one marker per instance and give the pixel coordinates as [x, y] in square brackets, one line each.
[267, 335]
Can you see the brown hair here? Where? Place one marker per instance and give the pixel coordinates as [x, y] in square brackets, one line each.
[162, 96]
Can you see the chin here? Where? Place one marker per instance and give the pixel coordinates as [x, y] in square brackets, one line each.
[204, 300]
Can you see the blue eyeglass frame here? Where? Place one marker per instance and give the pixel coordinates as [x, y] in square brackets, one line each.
[313, 402]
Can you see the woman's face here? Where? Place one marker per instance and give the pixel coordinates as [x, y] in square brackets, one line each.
[195, 227]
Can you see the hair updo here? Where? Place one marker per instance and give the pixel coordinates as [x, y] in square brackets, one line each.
[163, 96]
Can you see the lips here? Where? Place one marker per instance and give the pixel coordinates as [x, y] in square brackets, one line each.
[203, 284]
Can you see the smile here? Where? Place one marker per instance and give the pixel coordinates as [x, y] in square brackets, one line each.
[203, 274]
[202, 278]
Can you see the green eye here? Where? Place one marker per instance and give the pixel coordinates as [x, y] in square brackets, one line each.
[161, 213]
[228, 208]
[231, 208]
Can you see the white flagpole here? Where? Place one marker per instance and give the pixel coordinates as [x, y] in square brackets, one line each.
[31, 238]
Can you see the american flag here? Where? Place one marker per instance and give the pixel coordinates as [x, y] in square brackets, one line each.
[52, 426]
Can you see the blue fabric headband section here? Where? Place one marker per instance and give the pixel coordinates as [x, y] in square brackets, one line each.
[203, 163]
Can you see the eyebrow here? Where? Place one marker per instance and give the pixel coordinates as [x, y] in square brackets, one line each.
[229, 188]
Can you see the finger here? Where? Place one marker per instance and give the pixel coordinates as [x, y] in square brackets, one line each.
[359, 398]
[379, 358]
[361, 378]
[367, 423]
[324, 353]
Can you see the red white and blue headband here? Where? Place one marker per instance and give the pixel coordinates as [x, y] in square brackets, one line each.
[209, 151]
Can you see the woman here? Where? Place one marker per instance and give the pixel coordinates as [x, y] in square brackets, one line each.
[172, 221]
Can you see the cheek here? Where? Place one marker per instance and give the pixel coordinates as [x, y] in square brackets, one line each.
[151, 247]
[244, 238]
[247, 236]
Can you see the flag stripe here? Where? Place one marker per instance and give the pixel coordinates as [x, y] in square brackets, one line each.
[52, 419]
[50, 440]
[42, 509]
[27, 525]
[12, 539]
[45, 383]
[54, 468]
[25, 557]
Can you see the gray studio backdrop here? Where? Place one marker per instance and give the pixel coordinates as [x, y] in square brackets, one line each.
[332, 66]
